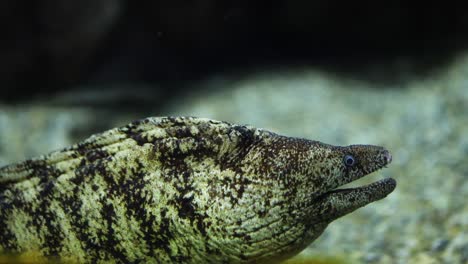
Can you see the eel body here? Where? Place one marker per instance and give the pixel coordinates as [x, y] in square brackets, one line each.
[183, 190]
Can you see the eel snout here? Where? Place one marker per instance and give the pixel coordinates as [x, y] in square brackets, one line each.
[336, 203]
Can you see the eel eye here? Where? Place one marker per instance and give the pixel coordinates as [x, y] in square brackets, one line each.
[348, 160]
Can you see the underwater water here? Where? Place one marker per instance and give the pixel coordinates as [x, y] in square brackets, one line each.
[423, 121]
[392, 74]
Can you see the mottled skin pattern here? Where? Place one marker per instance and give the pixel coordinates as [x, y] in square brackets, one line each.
[183, 190]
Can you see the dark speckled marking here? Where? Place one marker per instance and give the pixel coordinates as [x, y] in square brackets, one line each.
[111, 243]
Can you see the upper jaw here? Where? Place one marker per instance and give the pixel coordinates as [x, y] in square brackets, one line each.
[383, 158]
[382, 162]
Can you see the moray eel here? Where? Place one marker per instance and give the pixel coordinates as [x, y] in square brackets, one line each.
[183, 190]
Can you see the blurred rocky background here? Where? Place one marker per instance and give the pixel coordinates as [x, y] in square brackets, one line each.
[392, 74]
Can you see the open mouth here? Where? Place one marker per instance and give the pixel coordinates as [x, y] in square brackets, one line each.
[340, 201]
[386, 186]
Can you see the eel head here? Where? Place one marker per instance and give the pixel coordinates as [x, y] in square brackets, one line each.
[351, 163]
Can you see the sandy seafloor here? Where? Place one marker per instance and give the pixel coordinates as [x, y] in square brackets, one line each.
[423, 121]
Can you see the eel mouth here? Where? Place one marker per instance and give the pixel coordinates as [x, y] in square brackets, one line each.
[338, 202]
[381, 188]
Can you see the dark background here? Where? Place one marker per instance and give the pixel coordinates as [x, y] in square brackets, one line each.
[52, 46]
